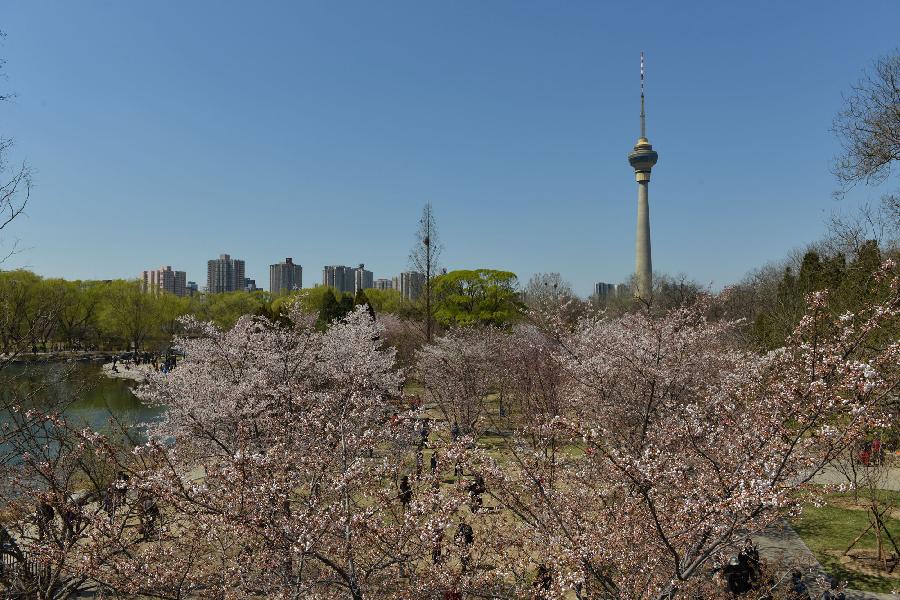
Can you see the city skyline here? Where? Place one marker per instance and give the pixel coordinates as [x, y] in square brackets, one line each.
[516, 136]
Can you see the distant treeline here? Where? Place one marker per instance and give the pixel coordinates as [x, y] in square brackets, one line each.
[41, 314]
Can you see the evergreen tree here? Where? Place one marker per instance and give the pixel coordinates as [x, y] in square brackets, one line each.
[346, 305]
[361, 298]
[330, 311]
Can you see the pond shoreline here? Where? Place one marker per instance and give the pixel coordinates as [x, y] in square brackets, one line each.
[89, 394]
[136, 373]
[61, 356]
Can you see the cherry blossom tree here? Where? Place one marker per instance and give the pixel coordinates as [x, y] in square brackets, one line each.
[275, 471]
[60, 525]
[459, 371]
[673, 444]
[634, 453]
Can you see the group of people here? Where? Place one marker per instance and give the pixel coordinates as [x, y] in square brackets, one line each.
[744, 574]
[69, 514]
[147, 509]
[145, 358]
[872, 453]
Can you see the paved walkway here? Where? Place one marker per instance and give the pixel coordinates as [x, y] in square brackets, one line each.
[782, 543]
[886, 477]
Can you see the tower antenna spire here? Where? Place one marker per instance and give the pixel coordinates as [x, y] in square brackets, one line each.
[643, 124]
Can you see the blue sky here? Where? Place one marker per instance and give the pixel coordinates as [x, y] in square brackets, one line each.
[171, 132]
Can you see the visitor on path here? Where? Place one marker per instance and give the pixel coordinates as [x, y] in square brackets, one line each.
[798, 589]
[877, 452]
[405, 492]
[465, 536]
[71, 521]
[454, 431]
[424, 432]
[736, 577]
[435, 475]
[436, 548]
[748, 558]
[148, 515]
[832, 592]
[43, 517]
[110, 500]
[116, 493]
[476, 489]
[542, 582]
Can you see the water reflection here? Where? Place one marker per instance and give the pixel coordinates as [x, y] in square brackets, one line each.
[89, 396]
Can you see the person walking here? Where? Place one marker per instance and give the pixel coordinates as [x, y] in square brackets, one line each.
[798, 589]
[476, 489]
[405, 492]
[542, 582]
[465, 537]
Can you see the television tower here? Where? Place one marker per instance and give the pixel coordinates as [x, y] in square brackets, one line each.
[642, 159]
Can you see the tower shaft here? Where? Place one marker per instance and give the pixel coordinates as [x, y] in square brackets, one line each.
[643, 263]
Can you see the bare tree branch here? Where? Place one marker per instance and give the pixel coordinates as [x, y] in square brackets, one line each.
[868, 126]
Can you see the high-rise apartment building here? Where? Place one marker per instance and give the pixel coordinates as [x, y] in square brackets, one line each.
[347, 279]
[192, 288]
[164, 279]
[362, 279]
[604, 291]
[339, 277]
[225, 274]
[411, 284]
[285, 276]
[250, 285]
[383, 284]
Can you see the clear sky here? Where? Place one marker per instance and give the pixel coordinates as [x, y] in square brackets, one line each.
[170, 132]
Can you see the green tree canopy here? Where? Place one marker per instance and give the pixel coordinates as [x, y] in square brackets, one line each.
[477, 297]
[385, 301]
[226, 308]
[129, 313]
[311, 299]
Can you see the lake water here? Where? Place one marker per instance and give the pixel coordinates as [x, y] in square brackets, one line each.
[91, 396]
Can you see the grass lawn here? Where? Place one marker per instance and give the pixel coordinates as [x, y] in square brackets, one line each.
[828, 530]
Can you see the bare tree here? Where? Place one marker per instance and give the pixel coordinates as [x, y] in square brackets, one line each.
[15, 188]
[424, 259]
[547, 287]
[868, 126]
[847, 232]
[14, 192]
